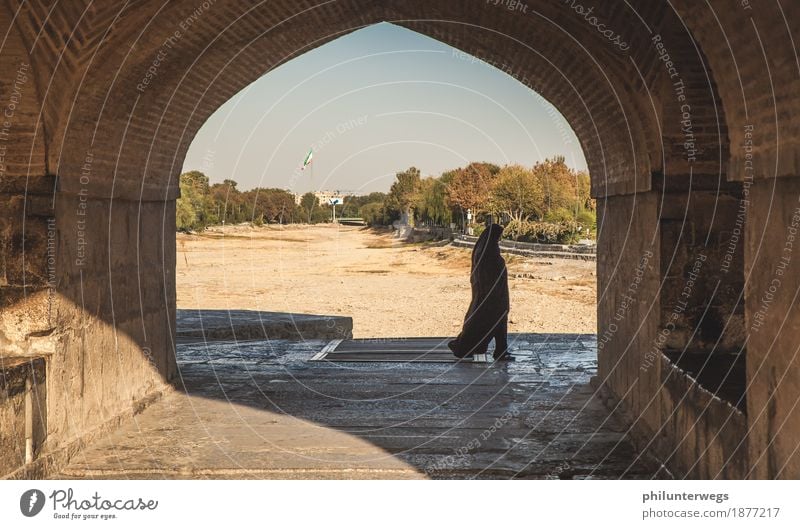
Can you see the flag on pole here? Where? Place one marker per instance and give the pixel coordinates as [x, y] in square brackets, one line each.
[309, 158]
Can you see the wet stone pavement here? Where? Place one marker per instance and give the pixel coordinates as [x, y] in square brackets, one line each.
[261, 409]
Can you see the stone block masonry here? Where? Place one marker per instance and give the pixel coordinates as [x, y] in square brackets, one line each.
[100, 105]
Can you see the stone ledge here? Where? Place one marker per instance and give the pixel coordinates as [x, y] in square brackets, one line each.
[214, 325]
[639, 434]
[23, 424]
[52, 462]
[556, 253]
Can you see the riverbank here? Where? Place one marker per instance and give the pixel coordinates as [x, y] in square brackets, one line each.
[389, 288]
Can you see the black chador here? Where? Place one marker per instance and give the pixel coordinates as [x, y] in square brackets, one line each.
[487, 316]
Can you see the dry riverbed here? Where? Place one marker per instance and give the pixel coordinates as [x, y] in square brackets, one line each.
[389, 288]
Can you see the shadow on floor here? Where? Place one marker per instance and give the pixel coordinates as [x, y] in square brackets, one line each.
[261, 409]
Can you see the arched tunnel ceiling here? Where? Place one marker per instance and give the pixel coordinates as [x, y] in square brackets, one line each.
[99, 100]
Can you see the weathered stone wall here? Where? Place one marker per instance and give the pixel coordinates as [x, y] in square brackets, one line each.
[702, 307]
[662, 289]
[23, 410]
[750, 57]
[107, 97]
[114, 318]
[772, 256]
[98, 305]
[628, 306]
[701, 435]
[26, 279]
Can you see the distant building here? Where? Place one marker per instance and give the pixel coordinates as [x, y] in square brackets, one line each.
[324, 197]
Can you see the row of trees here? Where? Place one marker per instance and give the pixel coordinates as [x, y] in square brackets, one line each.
[202, 204]
[548, 192]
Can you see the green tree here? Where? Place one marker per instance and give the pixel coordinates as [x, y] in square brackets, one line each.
[185, 217]
[584, 189]
[404, 194]
[322, 213]
[432, 202]
[373, 213]
[309, 203]
[560, 184]
[194, 204]
[518, 193]
[352, 204]
[470, 187]
[269, 205]
[227, 203]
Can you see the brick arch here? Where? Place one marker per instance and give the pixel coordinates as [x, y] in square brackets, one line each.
[598, 89]
[753, 54]
[90, 57]
[23, 146]
[23, 135]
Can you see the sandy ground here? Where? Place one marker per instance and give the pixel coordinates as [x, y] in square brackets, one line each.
[389, 288]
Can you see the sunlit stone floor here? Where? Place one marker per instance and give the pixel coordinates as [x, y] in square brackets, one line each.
[260, 409]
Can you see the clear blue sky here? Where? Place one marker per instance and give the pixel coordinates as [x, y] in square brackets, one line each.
[376, 102]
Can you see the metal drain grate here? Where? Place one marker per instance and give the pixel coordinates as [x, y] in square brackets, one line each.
[405, 350]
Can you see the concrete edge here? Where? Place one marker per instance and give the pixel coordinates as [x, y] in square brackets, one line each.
[534, 253]
[323, 328]
[52, 462]
[638, 437]
[257, 473]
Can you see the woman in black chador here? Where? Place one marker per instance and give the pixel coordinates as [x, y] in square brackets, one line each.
[487, 316]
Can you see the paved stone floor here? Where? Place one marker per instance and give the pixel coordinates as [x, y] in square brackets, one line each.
[260, 409]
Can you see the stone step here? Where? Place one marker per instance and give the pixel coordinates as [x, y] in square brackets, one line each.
[545, 254]
[198, 325]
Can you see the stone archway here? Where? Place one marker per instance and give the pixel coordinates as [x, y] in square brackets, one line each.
[112, 98]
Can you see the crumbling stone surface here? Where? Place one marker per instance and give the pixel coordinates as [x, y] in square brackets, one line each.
[196, 325]
[23, 405]
[99, 116]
